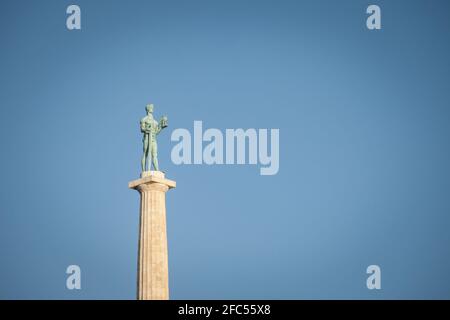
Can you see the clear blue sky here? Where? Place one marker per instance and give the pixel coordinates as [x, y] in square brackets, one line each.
[364, 147]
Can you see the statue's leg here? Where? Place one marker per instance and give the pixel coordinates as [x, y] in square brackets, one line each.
[145, 152]
[155, 156]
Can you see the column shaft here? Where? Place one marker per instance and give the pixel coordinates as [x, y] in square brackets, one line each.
[153, 272]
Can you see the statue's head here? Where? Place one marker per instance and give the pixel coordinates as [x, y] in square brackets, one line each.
[149, 108]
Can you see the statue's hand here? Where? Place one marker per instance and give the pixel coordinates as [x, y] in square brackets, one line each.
[163, 122]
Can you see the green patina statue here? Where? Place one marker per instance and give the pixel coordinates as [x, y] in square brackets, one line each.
[151, 128]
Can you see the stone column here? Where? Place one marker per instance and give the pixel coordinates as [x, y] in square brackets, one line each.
[153, 271]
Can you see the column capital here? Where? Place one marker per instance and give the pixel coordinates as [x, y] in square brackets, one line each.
[151, 177]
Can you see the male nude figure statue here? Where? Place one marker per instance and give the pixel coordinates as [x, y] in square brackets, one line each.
[150, 129]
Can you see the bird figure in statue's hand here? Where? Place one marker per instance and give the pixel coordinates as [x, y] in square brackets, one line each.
[163, 122]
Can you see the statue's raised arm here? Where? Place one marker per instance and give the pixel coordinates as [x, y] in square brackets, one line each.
[162, 123]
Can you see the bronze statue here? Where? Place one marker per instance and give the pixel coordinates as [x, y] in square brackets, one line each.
[151, 128]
